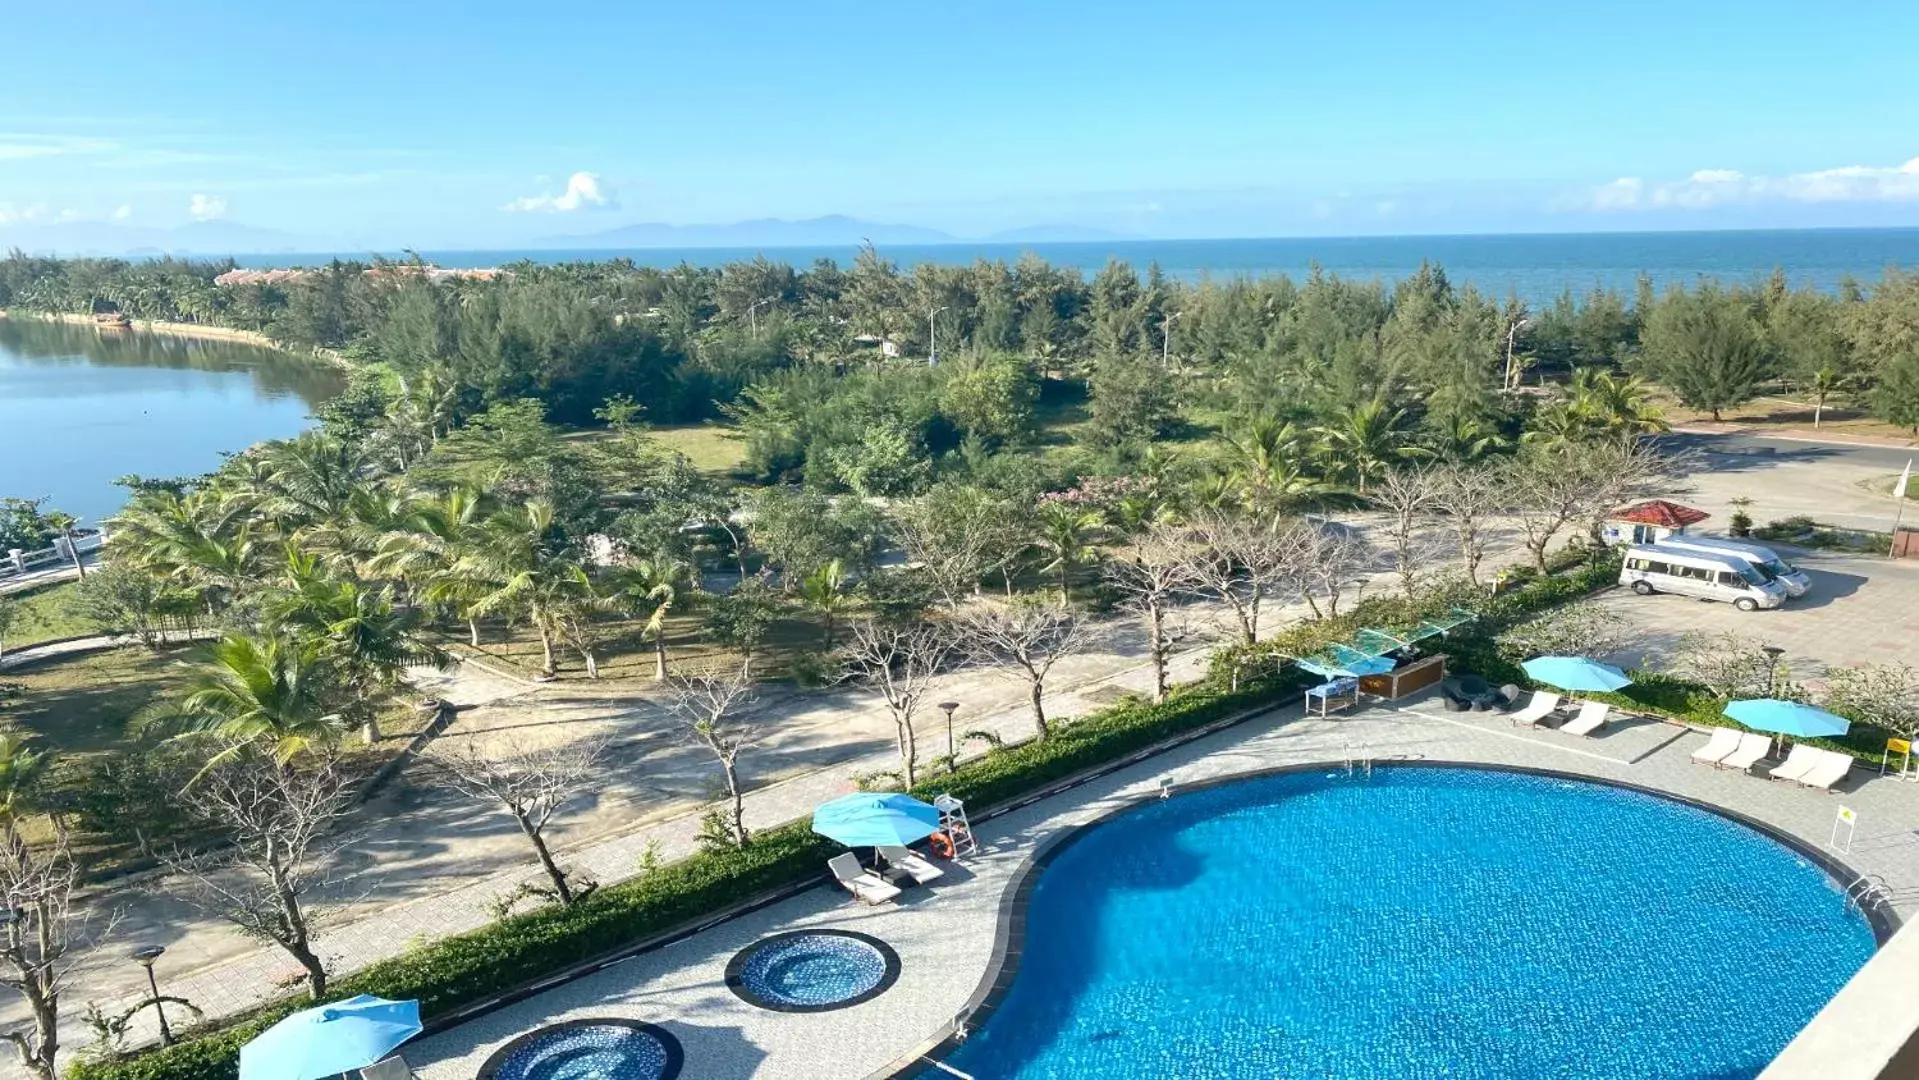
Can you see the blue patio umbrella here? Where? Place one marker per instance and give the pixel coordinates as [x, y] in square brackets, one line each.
[1787, 718]
[1575, 673]
[331, 1039]
[876, 819]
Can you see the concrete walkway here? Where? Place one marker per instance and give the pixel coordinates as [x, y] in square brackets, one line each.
[945, 935]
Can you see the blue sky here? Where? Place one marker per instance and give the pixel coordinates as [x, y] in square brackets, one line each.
[480, 124]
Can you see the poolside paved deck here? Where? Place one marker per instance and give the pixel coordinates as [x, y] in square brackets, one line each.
[945, 935]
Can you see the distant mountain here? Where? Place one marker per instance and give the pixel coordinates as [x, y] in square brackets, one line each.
[204, 238]
[1057, 234]
[832, 230]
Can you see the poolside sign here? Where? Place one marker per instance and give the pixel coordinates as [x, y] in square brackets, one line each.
[1850, 820]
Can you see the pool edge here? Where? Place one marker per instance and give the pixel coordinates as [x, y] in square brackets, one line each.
[1010, 922]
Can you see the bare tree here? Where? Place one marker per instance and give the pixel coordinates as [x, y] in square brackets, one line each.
[959, 540]
[716, 713]
[1624, 472]
[1239, 560]
[530, 781]
[1412, 497]
[900, 661]
[1570, 630]
[280, 825]
[1029, 636]
[1729, 665]
[1885, 695]
[1323, 559]
[1154, 581]
[1468, 496]
[1546, 491]
[38, 945]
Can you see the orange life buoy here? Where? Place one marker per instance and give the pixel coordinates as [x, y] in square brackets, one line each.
[941, 844]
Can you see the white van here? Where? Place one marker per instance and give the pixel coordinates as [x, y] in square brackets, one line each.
[1657, 568]
[1765, 558]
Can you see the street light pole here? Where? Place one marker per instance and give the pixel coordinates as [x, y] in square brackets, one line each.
[952, 753]
[932, 336]
[1166, 339]
[145, 956]
[1512, 335]
[753, 319]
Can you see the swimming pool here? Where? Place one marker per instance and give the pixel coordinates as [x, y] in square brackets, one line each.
[1429, 921]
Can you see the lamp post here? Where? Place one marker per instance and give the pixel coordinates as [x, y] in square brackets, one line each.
[932, 336]
[145, 955]
[1512, 335]
[952, 753]
[753, 319]
[1166, 339]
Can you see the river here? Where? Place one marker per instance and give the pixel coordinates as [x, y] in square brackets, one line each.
[80, 407]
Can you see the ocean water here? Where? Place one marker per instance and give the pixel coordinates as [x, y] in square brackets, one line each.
[1428, 922]
[1535, 267]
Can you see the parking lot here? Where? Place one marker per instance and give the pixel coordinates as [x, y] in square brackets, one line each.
[1858, 611]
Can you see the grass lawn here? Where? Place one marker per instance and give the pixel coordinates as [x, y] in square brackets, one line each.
[47, 615]
[81, 705]
[714, 448]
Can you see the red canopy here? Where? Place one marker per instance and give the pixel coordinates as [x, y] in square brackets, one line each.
[1666, 515]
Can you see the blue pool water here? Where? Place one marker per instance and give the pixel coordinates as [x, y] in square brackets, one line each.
[1429, 922]
[811, 971]
[588, 1050]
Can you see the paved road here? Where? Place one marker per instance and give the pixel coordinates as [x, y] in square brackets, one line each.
[1786, 478]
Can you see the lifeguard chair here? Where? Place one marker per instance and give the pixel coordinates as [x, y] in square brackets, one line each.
[953, 823]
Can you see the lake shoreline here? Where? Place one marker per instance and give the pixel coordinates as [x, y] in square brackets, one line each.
[190, 330]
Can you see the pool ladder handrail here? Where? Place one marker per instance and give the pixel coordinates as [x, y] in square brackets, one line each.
[1866, 887]
[1359, 756]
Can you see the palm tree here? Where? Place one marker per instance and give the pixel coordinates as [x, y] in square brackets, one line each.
[21, 770]
[1364, 440]
[824, 590]
[63, 523]
[1616, 405]
[1065, 532]
[514, 564]
[312, 478]
[650, 588]
[1462, 437]
[1559, 426]
[364, 641]
[252, 689]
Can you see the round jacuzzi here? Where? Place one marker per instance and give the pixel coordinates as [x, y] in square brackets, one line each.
[599, 1049]
[813, 970]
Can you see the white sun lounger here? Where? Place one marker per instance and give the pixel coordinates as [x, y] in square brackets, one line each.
[1829, 769]
[1797, 764]
[1539, 708]
[1592, 716]
[861, 882]
[905, 858]
[1752, 749]
[1723, 742]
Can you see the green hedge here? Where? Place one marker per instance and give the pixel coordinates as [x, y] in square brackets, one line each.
[457, 971]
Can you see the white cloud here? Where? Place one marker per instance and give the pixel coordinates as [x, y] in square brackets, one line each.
[19, 215]
[207, 207]
[17, 146]
[1622, 194]
[1707, 188]
[123, 212]
[583, 191]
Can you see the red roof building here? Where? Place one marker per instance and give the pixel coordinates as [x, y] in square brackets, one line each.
[1666, 515]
